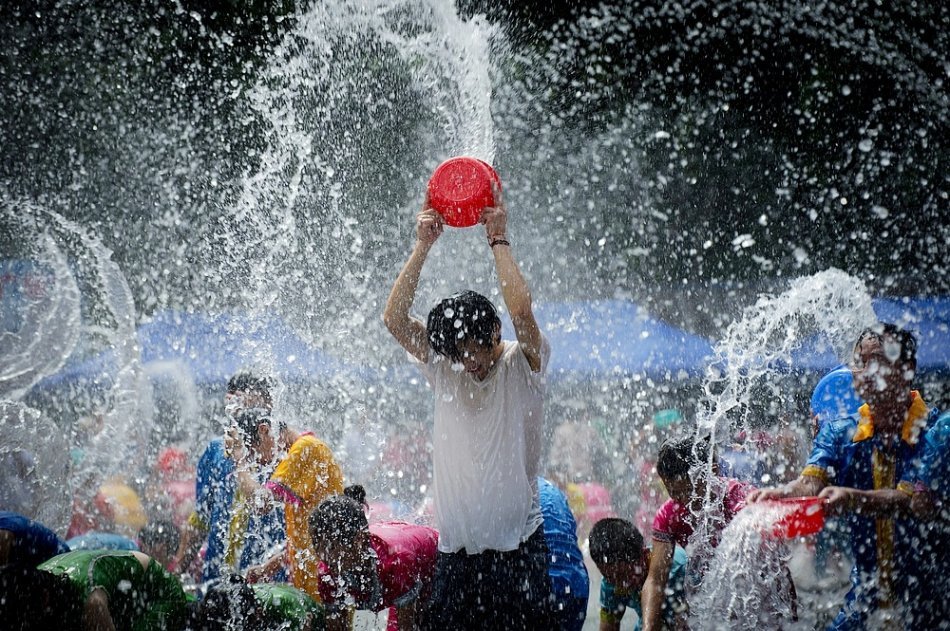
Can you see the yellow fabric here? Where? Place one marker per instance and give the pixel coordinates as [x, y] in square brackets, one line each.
[576, 500]
[884, 465]
[196, 522]
[311, 473]
[814, 471]
[237, 529]
[128, 513]
[885, 471]
[910, 432]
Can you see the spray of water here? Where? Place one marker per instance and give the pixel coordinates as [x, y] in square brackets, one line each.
[743, 570]
[747, 584]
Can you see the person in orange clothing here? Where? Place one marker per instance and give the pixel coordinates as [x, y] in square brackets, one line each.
[307, 475]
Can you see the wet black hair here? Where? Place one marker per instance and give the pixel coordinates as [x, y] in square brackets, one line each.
[461, 317]
[885, 330]
[340, 516]
[160, 531]
[246, 381]
[615, 540]
[33, 599]
[678, 455]
[228, 604]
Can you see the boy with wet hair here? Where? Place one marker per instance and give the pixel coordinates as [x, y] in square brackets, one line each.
[616, 547]
[689, 473]
[306, 475]
[159, 539]
[212, 521]
[491, 570]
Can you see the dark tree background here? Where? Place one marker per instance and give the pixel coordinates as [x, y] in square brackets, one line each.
[789, 137]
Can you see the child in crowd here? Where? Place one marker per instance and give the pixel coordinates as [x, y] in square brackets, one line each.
[371, 566]
[688, 472]
[159, 540]
[616, 547]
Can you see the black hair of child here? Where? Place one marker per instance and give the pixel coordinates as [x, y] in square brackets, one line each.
[158, 532]
[247, 381]
[884, 331]
[615, 540]
[341, 517]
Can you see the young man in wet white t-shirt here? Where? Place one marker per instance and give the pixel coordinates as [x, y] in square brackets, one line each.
[491, 571]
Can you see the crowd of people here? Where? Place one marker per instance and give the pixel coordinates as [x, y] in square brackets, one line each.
[268, 537]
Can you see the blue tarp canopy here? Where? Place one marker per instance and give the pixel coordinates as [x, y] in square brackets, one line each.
[927, 318]
[214, 347]
[211, 348]
[616, 338]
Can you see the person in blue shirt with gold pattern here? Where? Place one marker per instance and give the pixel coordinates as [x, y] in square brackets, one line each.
[857, 464]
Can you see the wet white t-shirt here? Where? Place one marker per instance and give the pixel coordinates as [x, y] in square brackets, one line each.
[486, 451]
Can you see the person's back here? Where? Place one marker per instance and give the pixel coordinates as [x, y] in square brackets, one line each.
[139, 593]
[569, 580]
[406, 555]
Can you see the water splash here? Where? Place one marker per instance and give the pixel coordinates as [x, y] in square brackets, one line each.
[747, 584]
[831, 305]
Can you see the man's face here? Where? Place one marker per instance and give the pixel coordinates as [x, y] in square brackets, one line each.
[477, 359]
[686, 492]
[625, 575]
[880, 376]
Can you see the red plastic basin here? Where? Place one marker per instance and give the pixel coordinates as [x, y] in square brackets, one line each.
[459, 188]
[805, 516]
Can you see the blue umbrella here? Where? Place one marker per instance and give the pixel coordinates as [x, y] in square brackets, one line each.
[616, 338]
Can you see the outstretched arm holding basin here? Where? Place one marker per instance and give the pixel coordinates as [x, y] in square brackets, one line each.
[409, 331]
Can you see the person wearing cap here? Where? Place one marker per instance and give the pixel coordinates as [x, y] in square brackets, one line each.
[306, 475]
[857, 464]
[23, 540]
[232, 544]
[491, 570]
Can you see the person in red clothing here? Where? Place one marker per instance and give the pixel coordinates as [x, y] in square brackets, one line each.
[386, 565]
[681, 464]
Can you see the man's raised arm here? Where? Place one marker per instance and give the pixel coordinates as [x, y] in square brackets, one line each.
[408, 331]
[514, 289]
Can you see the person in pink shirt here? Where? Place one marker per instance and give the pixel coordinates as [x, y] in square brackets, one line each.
[683, 466]
[385, 565]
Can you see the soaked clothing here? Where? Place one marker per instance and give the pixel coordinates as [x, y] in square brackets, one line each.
[486, 451]
[569, 580]
[615, 601]
[285, 604]
[405, 556]
[932, 475]
[674, 524]
[32, 542]
[847, 452]
[304, 478]
[140, 599]
[237, 537]
[492, 590]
